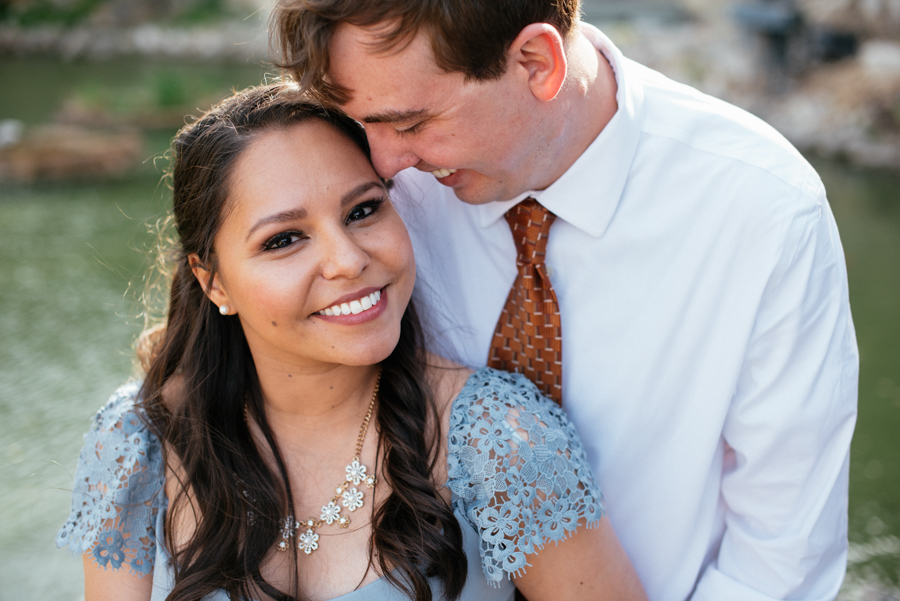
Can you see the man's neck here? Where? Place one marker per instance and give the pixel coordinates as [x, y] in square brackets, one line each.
[588, 103]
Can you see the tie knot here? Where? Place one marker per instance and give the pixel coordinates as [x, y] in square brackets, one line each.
[530, 224]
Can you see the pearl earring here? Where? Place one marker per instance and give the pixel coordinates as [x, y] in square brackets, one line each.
[223, 309]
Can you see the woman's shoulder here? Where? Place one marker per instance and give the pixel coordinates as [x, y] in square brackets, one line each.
[118, 488]
[120, 413]
[516, 470]
[490, 395]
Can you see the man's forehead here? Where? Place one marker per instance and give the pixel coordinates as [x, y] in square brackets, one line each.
[394, 86]
[356, 55]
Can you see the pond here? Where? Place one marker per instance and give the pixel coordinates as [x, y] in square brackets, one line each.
[71, 269]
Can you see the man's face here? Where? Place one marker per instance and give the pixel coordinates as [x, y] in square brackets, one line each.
[475, 137]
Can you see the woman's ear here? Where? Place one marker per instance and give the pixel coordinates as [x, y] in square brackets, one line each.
[540, 50]
[213, 290]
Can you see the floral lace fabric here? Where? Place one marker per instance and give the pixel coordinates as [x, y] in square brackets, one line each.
[516, 470]
[118, 488]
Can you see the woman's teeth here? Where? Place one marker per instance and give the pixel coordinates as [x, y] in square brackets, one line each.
[354, 307]
[442, 173]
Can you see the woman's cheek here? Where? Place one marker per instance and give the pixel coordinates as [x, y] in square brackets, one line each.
[278, 293]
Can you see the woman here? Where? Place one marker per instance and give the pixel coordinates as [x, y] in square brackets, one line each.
[291, 439]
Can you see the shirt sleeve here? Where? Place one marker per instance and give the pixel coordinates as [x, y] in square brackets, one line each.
[788, 430]
[517, 471]
[118, 490]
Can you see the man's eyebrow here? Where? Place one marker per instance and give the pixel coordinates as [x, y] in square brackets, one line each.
[396, 116]
[289, 215]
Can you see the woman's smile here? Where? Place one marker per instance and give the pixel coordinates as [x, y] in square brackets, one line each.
[357, 307]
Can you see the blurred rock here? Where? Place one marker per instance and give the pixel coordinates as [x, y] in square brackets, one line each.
[848, 109]
[124, 13]
[10, 132]
[881, 58]
[64, 151]
[863, 17]
[230, 42]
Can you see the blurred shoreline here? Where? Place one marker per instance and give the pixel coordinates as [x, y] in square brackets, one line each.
[223, 42]
[847, 109]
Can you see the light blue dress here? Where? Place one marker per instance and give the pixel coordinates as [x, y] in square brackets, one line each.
[517, 474]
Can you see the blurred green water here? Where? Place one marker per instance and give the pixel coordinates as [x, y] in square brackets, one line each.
[36, 89]
[71, 258]
[66, 326]
[69, 253]
[866, 205]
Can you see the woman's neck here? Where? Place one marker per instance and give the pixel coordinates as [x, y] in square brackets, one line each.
[315, 404]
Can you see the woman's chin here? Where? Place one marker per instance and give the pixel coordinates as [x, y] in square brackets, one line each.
[370, 355]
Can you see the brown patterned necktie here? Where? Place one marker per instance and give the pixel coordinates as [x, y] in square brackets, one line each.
[528, 338]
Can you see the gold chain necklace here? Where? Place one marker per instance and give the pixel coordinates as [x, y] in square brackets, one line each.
[346, 492]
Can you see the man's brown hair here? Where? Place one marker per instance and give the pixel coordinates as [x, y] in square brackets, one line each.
[467, 36]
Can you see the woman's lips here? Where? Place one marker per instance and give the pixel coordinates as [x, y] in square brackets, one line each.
[362, 308]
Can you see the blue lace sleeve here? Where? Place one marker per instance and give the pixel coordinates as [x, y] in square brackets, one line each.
[517, 470]
[118, 489]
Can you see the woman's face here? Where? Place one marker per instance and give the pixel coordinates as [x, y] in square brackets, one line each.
[308, 227]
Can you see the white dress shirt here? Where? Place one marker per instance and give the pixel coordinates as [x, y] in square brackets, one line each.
[709, 356]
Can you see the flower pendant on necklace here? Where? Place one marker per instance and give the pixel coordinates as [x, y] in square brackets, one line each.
[308, 541]
[356, 472]
[353, 499]
[330, 513]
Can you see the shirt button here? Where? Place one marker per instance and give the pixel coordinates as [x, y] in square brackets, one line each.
[549, 271]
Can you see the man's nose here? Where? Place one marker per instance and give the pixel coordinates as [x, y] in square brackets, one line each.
[390, 153]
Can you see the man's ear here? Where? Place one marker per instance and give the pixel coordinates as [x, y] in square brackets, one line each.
[539, 49]
[214, 291]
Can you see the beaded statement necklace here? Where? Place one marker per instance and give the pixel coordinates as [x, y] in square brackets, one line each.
[346, 492]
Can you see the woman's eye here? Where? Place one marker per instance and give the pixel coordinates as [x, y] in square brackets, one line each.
[361, 211]
[282, 240]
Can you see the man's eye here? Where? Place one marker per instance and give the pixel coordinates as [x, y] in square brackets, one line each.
[410, 130]
[363, 210]
[282, 240]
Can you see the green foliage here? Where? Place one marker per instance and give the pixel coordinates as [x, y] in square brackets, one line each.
[202, 11]
[41, 12]
[170, 89]
[68, 13]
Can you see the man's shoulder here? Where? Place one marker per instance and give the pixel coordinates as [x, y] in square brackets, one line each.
[719, 132]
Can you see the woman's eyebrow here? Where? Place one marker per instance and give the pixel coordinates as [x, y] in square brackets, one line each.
[359, 191]
[289, 215]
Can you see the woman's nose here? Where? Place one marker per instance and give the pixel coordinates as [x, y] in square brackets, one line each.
[342, 256]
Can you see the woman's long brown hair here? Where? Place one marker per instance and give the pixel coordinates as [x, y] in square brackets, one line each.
[238, 503]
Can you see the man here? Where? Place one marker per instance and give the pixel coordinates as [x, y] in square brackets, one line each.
[708, 353]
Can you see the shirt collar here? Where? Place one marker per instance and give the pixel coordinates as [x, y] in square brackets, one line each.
[587, 194]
